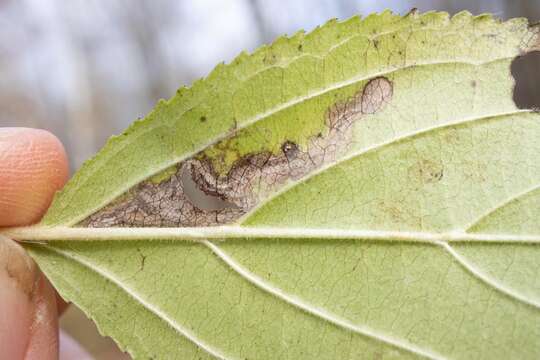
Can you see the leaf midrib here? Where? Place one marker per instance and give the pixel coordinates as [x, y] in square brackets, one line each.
[39, 233]
[43, 234]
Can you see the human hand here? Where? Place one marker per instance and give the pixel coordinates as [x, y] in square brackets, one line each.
[33, 165]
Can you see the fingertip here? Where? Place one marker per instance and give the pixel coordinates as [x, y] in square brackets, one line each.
[33, 166]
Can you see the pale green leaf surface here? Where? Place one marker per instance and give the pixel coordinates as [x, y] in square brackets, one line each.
[448, 154]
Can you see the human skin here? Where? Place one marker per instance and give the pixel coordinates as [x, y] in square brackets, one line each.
[33, 166]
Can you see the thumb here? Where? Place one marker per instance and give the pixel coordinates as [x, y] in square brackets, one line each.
[33, 166]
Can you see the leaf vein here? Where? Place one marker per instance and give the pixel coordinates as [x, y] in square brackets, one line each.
[492, 283]
[356, 154]
[316, 311]
[501, 205]
[248, 122]
[138, 298]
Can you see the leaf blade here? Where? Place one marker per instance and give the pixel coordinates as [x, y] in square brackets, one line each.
[449, 123]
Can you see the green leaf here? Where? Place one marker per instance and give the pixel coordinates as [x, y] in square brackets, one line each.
[369, 190]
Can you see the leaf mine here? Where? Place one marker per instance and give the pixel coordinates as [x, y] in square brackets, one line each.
[166, 203]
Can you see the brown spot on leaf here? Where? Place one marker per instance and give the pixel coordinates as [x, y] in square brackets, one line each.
[426, 171]
[395, 212]
[251, 178]
[474, 170]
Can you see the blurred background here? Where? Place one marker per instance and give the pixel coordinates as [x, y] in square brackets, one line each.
[86, 69]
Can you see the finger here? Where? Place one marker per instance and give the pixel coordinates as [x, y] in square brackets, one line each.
[33, 166]
[28, 316]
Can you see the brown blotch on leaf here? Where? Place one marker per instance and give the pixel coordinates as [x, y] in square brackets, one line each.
[162, 205]
[373, 97]
[251, 178]
[377, 93]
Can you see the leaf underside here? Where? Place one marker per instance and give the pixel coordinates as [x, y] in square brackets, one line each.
[391, 124]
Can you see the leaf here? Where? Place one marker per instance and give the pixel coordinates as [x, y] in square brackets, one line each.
[369, 190]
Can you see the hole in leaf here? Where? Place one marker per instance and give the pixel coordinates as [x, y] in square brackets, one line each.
[526, 72]
[199, 198]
